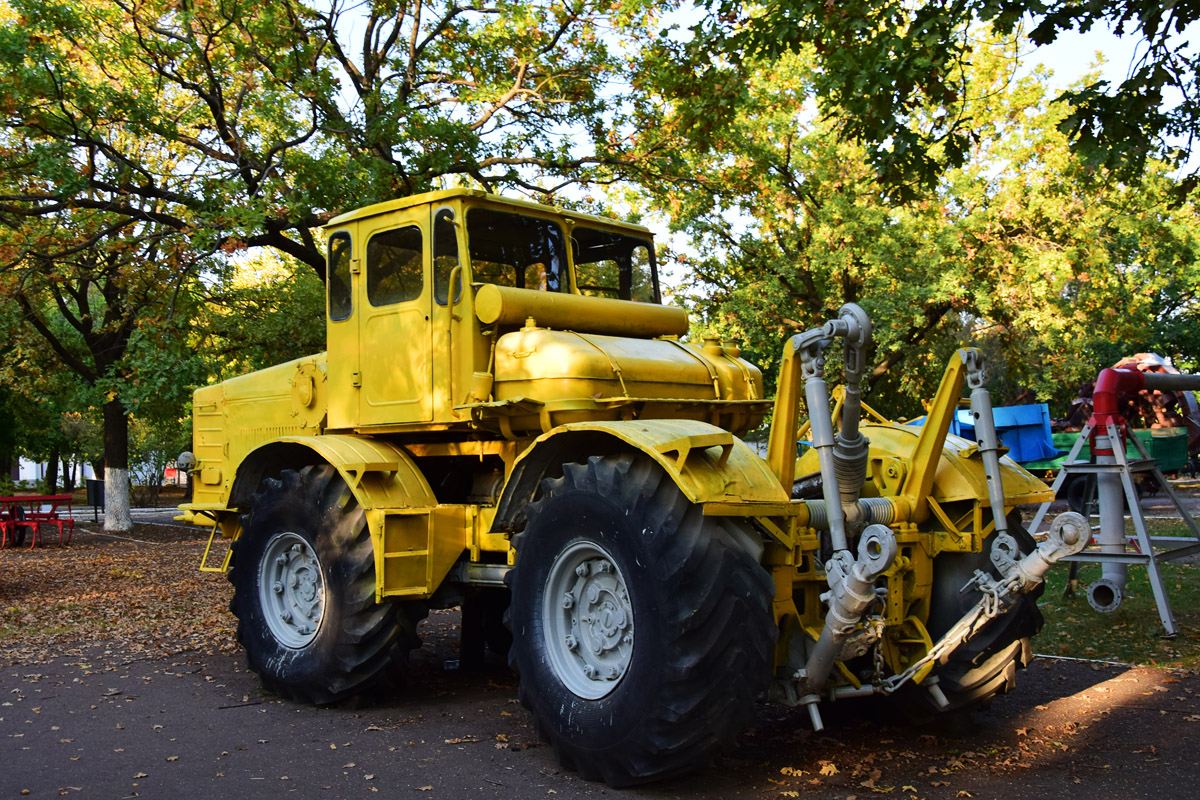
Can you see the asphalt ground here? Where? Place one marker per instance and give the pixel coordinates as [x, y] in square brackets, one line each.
[100, 723]
[109, 720]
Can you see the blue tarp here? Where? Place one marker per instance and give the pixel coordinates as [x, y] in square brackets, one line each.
[1024, 430]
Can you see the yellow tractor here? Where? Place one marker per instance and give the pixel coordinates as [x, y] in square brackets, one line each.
[507, 419]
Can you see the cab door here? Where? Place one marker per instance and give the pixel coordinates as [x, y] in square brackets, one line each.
[393, 322]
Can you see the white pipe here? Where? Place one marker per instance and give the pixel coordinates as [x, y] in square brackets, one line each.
[1106, 593]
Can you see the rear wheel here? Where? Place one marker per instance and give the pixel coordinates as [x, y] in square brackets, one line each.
[304, 593]
[986, 664]
[642, 630]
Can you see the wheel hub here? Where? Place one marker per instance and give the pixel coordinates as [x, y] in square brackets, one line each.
[291, 589]
[588, 620]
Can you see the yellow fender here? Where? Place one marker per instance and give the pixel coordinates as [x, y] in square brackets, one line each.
[387, 484]
[379, 474]
[707, 463]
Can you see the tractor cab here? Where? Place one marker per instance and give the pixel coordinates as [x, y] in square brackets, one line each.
[404, 342]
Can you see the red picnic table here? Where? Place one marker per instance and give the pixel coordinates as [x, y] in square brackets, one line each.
[30, 512]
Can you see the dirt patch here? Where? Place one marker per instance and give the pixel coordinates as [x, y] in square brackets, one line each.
[141, 592]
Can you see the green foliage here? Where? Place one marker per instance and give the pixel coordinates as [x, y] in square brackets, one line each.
[251, 125]
[271, 309]
[153, 445]
[166, 169]
[881, 67]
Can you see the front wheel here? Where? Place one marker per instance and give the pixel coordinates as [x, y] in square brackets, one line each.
[642, 630]
[304, 593]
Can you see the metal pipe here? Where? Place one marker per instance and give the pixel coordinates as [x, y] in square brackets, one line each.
[1106, 593]
[857, 335]
[1004, 551]
[851, 451]
[1164, 381]
[1069, 534]
[842, 458]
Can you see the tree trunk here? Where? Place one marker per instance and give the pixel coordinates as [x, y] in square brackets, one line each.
[116, 468]
[68, 476]
[52, 472]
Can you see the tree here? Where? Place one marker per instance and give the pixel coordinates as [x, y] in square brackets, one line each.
[247, 125]
[879, 66]
[1014, 251]
[268, 309]
[90, 289]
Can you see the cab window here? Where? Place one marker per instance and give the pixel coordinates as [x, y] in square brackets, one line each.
[614, 265]
[395, 271]
[341, 302]
[516, 250]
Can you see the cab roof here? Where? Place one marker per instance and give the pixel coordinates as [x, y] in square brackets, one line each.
[430, 198]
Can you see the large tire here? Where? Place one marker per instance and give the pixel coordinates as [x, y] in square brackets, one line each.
[642, 630]
[986, 664]
[304, 593]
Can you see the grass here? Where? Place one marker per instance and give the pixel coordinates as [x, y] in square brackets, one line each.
[1133, 633]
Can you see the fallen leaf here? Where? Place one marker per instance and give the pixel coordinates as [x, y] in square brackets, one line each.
[424, 788]
[172, 758]
[828, 768]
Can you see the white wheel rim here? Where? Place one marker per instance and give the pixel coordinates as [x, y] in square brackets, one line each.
[291, 589]
[588, 621]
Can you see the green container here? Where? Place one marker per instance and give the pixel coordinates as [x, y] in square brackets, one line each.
[1167, 446]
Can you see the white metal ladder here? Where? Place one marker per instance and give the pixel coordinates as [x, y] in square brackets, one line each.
[1171, 548]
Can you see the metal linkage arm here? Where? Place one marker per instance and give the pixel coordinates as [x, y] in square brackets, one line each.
[843, 459]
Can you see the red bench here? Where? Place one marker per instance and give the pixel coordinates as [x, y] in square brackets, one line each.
[32, 511]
